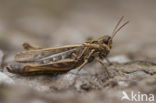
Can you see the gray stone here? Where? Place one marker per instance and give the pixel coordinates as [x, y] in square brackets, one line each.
[5, 79]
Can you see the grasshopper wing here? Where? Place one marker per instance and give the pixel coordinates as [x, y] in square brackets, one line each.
[36, 55]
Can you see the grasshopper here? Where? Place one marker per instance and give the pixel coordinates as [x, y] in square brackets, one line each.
[35, 60]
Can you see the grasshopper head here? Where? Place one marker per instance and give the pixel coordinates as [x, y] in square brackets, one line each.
[107, 40]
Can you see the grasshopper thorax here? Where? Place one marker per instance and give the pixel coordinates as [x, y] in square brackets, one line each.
[101, 46]
[105, 43]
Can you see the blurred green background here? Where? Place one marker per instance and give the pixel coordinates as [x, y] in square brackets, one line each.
[51, 23]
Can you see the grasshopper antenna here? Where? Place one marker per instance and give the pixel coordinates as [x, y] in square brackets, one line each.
[115, 29]
[118, 24]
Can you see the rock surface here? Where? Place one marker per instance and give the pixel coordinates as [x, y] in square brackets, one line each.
[4, 79]
[136, 76]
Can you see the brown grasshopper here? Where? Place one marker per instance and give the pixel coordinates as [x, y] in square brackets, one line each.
[36, 60]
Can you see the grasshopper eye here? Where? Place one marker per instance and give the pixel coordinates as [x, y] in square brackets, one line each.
[106, 40]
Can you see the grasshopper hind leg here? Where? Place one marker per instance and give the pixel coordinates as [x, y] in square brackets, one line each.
[28, 46]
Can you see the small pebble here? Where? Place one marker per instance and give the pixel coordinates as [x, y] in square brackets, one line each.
[69, 77]
[5, 79]
[119, 59]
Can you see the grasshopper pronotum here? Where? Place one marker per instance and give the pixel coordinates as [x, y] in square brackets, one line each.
[62, 59]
